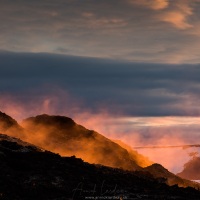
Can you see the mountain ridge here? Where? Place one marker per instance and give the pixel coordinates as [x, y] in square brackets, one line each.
[55, 134]
[74, 139]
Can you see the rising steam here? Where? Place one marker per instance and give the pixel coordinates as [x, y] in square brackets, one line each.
[114, 127]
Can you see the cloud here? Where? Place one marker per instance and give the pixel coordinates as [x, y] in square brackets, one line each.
[173, 12]
[163, 122]
[178, 19]
[178, 14]
[135, 89]
[146, 31]
[153, 4]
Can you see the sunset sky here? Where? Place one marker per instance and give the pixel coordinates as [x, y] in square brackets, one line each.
[161, 31]
[126, 68]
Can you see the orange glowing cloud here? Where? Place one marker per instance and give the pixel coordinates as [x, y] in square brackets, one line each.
[173, 12]
[153, 4]
[177, 14]
[177, 18]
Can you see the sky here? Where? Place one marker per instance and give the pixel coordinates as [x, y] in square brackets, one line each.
[129, 69]
[137, 30]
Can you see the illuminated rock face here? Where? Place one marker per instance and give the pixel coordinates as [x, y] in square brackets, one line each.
[62, 135]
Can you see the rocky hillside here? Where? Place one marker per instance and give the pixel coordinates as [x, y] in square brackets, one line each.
[62, 135]
[158, 171]
[37, 174]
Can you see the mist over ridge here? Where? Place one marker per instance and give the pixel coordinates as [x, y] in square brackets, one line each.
[62, 135]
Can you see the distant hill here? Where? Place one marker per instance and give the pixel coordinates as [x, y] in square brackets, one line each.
[158, 171]
[29, 173]
[191, 169]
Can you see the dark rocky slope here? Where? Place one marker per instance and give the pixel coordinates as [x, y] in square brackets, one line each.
[158, 171]
[37, 174]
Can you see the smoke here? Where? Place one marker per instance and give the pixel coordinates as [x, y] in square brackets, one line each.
[61, 135]
[50, 101]
[152, 131]
[171, 158]
[135, 131]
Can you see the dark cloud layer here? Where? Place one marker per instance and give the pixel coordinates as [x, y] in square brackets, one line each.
[134, 89]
